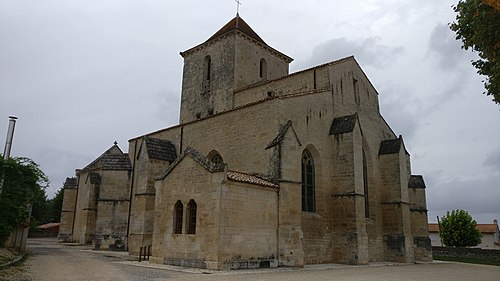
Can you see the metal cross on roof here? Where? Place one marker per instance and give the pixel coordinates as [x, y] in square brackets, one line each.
[238, 3]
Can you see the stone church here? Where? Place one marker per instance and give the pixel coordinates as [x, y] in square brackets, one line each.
[265, 169]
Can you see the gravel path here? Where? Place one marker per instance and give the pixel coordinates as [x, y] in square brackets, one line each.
[52, 261]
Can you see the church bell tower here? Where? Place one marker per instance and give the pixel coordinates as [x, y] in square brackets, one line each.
[233, 58]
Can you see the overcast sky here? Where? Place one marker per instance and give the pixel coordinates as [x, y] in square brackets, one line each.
[82, 74]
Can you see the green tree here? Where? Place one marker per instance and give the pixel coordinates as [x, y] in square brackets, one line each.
[40, 210]
[478, 26]
[458, 229]
[22, 179]
[56, 206]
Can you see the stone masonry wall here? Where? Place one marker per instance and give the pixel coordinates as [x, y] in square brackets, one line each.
[112, 210]
[248, 55]
[140, 196]
[202, 97]
[111, 225]
[86, 207]
[67, 214]
[196, 250]
[419, 223]
[248, 226]
[492, 255]
[241, 139]
[398, 241]
[143, 197]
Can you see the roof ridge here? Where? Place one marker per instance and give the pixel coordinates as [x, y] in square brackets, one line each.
[237, 23]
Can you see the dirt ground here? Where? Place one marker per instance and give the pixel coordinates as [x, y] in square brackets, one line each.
[49, 260]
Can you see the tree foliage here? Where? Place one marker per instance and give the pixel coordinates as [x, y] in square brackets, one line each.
[23, 181]
[55, 205]
[478, 26]
[45, 210]
[458, 229]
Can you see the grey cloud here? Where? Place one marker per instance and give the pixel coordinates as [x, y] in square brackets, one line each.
[493, 160]
[479, 196]
[58, 164]
[397, 112]
[446, 49]
[369, 52]
[405, 109]
[166, 105]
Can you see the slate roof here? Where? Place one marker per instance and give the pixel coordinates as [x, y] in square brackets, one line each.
[116, 162]
[237, 23]
[111, 159]
[390, 146]
[241, 177]
[344, 124]
[416, 181]
[160, 149]
[70, 183]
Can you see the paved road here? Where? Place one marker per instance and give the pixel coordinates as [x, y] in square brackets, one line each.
[52, 261]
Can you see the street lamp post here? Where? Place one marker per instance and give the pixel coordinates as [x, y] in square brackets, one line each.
[10, 137]
[8, 143]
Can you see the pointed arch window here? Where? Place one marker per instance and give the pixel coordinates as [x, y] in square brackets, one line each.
[263, 69]
[178, 212]
[191, 215]
[308, 188]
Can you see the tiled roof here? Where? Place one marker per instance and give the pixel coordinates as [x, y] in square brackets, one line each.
[241, 177]
[390, 146]
[344, 124]
[70, 183]
[483, 228]
[49, 225]
[487, 228]
[433, 227]
[160, 149]
[416, 181]
[238, 26]
[111, 159]
[237, 23]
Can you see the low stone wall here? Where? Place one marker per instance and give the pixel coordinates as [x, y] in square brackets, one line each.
[492, 255]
